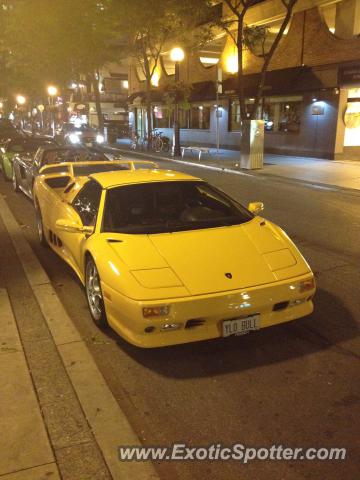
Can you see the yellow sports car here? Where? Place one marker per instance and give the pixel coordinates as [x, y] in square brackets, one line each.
[165, 257]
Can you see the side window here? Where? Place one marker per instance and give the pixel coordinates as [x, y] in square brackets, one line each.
[87, 201]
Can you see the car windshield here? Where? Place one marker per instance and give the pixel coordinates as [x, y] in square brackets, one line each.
[160, 207]
[78, 128]
[70, 155]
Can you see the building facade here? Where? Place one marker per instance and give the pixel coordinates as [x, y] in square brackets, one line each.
[311, 103]
[113, 88]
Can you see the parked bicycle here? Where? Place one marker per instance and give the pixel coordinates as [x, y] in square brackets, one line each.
[158, 142]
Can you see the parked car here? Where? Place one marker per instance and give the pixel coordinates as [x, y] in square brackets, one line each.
[26, 167]
[20, 145]
[73, 134]
[9, 130]
[166, 258]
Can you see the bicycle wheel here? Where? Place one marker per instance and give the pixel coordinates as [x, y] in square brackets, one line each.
[165, 145]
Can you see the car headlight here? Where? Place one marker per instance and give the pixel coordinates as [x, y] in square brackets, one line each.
[74, 138]
[304, 286]
[100, 138]
[307, 285]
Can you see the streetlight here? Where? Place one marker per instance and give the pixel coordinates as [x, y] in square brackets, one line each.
[52, 91]
[20, 100]
[177, 55]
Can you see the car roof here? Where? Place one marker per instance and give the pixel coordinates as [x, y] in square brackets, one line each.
[126, 177]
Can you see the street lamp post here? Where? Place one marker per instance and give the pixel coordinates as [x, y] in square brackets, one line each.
[52, 91]
[21, 100]
[177, 55]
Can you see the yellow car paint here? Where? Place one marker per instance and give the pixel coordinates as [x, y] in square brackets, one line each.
[183, 270]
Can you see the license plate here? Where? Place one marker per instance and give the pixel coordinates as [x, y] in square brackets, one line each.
[241, 326]
[88, 144]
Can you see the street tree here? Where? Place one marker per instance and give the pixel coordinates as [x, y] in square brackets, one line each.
[244, 36]
[56, 42]
[148, 27]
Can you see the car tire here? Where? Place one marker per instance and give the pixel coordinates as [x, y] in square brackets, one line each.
[40, 226]
[94, 294]
[15, 181]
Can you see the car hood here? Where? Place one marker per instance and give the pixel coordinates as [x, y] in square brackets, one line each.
[215, 260]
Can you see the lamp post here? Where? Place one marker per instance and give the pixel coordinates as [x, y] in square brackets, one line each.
[177, 55]
[21, 100]
[52, 92]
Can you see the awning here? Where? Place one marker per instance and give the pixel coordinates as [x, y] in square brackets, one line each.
[139, 97]
[278, 82]
[200, 92]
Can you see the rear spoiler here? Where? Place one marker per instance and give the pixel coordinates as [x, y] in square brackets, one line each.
[67, 167]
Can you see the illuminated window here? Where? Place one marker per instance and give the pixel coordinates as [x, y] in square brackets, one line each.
[200, 117]
[280, 114]
[161, 118]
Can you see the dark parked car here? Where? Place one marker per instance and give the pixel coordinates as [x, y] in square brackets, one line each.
[20, 145]
[9, 130]
[26, 167]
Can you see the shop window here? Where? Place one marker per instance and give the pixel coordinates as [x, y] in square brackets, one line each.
[161, 117]
[289, 120]
[200, 117]
[183, 118]
[235, 118]
[280, 114]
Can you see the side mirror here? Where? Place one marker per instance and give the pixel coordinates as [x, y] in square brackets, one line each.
[72, 227]
[256, 207]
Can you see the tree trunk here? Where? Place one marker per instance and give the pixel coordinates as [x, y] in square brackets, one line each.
[95, 84]
[270, 55]
[148, 97]
[240, 81]
[148, 113]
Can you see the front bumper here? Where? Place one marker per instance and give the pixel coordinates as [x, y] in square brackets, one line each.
[206, 311]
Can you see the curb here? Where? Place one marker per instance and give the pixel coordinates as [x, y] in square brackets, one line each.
[108, 422]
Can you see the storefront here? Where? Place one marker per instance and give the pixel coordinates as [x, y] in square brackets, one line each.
[348, 134]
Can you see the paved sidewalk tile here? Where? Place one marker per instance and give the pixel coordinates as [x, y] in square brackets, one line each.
[44, 472]
[341, 174]
[23, 442]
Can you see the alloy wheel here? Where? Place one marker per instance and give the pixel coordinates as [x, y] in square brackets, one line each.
[94, 294]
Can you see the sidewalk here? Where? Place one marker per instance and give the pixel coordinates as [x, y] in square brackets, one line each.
[341, 174]
[59, 419]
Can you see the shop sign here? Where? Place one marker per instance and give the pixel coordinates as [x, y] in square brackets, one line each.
[352, 115]
[349, 75]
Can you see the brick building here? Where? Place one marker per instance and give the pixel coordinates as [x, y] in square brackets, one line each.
[311, 104]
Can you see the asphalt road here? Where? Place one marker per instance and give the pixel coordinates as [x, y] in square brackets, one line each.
[296, 385]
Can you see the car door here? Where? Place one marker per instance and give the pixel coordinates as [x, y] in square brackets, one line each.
[23, 164]
[84, 209]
